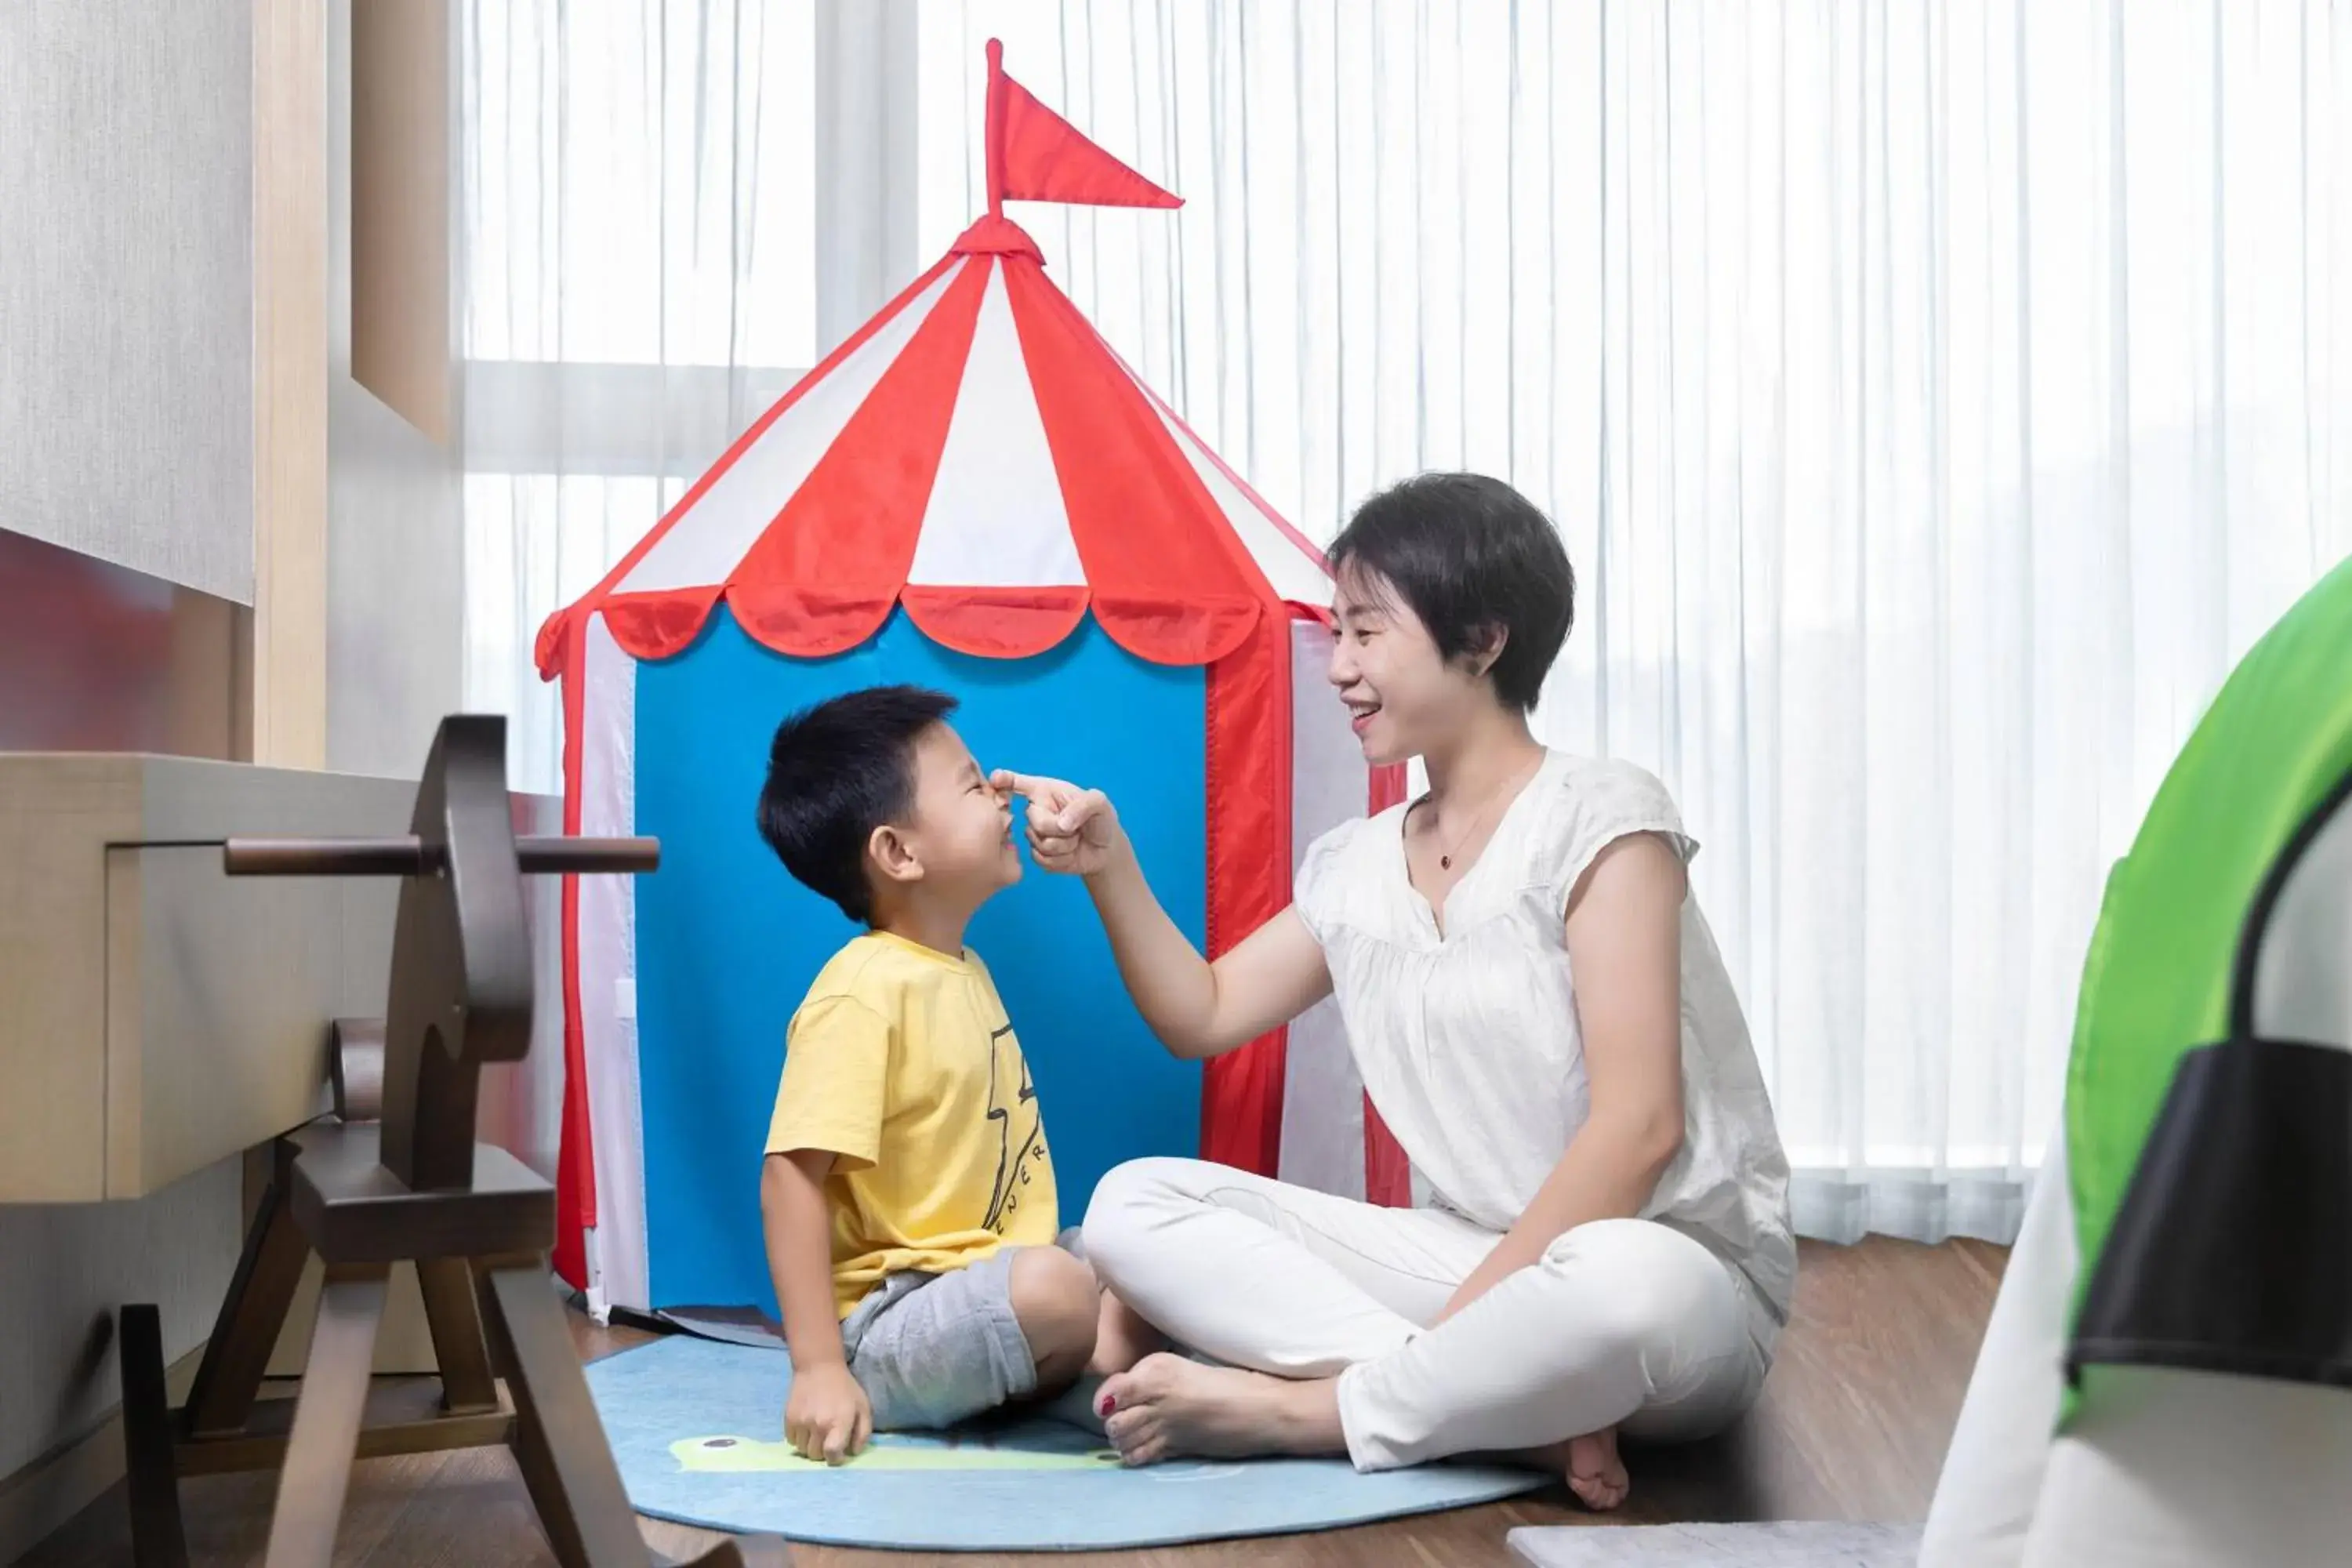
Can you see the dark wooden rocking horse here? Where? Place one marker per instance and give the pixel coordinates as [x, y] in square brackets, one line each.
[365, 1193]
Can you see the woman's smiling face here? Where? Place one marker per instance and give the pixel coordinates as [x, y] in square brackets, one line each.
[1403, 697]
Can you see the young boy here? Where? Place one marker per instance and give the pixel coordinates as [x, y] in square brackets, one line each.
[908, 1197]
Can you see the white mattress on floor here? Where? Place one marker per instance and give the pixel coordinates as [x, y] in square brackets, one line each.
[1795, 1545]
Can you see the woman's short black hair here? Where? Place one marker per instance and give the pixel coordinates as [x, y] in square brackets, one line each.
[836, 772]
[1470, 556]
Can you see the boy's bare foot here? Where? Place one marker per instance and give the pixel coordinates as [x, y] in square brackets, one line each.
[1590, 1466]
[1121, 1339]
[1167, 1407]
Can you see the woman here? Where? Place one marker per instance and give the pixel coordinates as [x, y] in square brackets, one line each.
[1540, 1014]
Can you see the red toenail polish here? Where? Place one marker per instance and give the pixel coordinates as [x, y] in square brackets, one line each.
[1107, 1406]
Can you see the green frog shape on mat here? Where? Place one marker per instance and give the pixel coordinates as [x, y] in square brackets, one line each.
[749, 1455]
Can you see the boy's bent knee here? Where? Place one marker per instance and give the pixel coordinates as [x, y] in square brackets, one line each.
[1046, 1280]
[1058, 1303]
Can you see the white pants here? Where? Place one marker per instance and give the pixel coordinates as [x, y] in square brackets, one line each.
[1622, 1323]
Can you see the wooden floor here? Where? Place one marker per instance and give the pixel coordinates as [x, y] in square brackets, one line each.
[1853, 1425]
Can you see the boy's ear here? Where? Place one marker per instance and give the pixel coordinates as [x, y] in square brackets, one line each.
[893, 854]
[1489, 648]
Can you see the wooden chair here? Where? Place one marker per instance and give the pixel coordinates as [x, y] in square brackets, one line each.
[395, 1175]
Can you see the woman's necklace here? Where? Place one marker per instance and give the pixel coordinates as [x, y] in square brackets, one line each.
[1445, 856]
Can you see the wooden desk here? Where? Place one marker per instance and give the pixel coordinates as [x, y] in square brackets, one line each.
[155, 1016]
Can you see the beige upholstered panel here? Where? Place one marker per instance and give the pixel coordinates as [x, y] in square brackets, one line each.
[127, 283]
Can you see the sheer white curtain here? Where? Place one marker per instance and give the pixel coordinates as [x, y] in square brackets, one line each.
[1935, 399]
[638, 207]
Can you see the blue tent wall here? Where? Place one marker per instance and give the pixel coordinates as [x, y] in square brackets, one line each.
[727, 944]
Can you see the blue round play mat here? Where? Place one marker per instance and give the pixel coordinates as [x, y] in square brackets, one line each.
[698, 1427]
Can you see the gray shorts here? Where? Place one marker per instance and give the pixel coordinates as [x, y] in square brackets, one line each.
[932, 1349]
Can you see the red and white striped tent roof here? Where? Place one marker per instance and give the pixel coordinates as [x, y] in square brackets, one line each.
[978, 455]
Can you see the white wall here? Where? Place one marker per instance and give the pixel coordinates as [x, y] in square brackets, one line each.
[395, 584]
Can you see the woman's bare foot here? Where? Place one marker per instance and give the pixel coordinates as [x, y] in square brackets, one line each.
[1167, 1407]
[1595, 1473]
[1590, 1466]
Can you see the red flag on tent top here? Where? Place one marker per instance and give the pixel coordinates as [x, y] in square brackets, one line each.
[1035, 155]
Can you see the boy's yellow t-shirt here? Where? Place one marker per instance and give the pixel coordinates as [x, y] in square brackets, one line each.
[902, 1064]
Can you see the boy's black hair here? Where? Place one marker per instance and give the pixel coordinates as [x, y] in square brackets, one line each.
[836, 772]
[1470, 556]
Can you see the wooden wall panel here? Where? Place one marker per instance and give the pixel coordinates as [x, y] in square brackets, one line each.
[401, 164]
[289, 383]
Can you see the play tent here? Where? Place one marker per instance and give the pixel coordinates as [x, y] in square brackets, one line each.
[973, 492]
[2166, 1378]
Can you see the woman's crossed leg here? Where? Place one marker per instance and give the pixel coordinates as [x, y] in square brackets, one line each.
[1318, 1305]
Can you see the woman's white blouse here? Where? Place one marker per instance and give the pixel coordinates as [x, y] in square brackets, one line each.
[1467, 1040]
